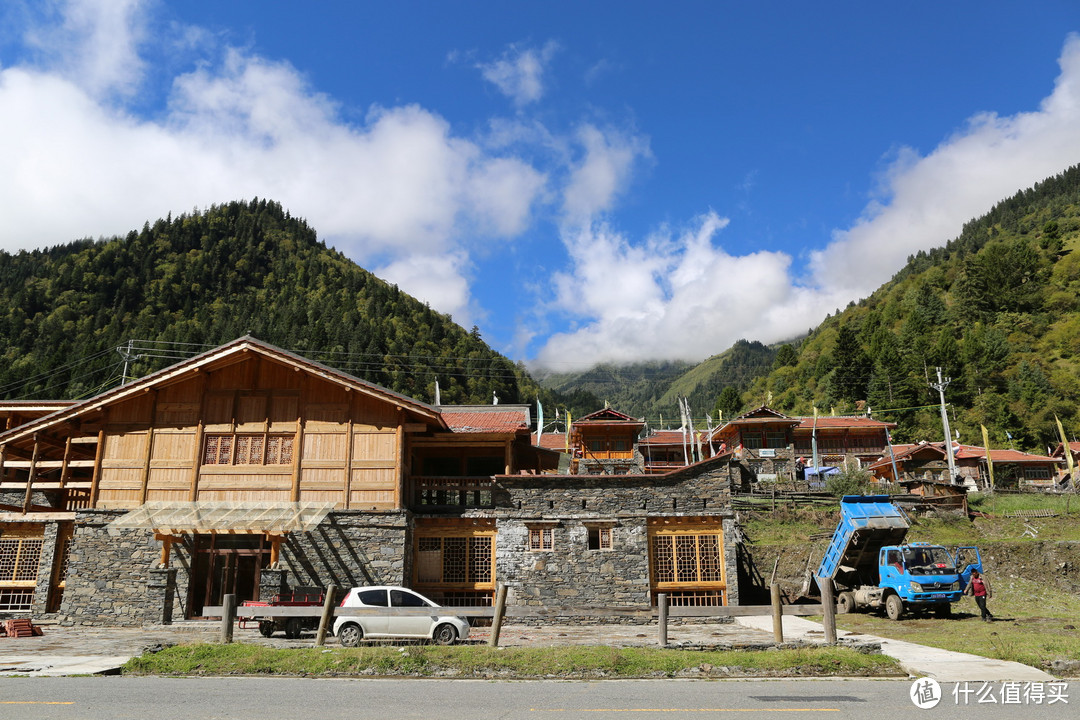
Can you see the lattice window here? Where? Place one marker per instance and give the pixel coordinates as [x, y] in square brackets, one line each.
[455, 559]
[600, 538]
[16, 599]
[249, 450]
[695, 598]
[19, 559]
[480, 559]
[687, 558]
[541, 539]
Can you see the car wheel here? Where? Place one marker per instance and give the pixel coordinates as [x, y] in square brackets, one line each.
[266, 628]
[292, 628]
[445, 634]
[894, 607]
[350, 635]
[845, 603]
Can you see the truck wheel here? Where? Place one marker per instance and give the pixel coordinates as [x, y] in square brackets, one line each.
[894, 607]
[350, 635]
[266, 628]
[943, 610]
[292, 628]
[845, 603]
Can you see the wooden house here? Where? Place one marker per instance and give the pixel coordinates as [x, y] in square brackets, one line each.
[605, 443]
[249, 469]
[927, 461]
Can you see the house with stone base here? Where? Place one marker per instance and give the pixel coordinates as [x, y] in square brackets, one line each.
[250, 470]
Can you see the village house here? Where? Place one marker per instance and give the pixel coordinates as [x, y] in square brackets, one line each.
[248, 470]
[928, 461]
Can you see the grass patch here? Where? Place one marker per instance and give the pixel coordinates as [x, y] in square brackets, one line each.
[1035, 625]
[486, 662]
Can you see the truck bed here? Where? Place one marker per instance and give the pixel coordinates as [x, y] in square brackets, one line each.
[867, 523]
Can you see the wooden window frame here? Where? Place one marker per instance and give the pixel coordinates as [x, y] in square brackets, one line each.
[604, 537]
[284, 452]
[541, 538]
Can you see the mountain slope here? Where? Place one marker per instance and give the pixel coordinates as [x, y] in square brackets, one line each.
[199, 280]
[997, 309]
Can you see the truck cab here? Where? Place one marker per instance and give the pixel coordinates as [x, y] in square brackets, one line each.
[924, 576]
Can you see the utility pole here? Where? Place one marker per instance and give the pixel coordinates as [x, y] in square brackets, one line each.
[940, 386]
[128, 355]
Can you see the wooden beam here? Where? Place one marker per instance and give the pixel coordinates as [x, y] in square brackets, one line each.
[30, 477]
[95, 482]
[348, 457]
[298, 441]
[149, 448]
[64, 468]
[196, 456]
[399, 458]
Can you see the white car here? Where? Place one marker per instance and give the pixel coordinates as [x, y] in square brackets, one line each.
[443, 629]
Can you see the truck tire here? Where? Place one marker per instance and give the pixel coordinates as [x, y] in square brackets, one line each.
[894, 607]
[943, 610]
[266, 628]
[293, 627]
[845, 603]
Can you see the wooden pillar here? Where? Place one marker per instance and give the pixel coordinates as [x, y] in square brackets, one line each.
[3, 459]
[196, 454]
[508, 453]
[348, 459]
[777, 614]
[399, 458]
[30, 477]
[64, 469]
[166, 547]
[828, 603]
[298, 440]
[497, 619]
[95, 482]
[275, 550]
[662, 608]
[146, 464]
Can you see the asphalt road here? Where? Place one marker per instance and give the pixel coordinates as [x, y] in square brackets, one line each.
[119, 698]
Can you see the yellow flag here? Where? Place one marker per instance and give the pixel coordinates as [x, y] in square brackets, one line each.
[1065, 448]
[569, 422]
[989, 461]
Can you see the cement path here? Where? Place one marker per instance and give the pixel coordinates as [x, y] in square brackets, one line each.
[917, 660]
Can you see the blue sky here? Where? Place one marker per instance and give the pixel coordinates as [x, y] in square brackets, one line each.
[585, 182]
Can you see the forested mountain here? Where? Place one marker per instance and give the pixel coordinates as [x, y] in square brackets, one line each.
[195, 281]
[652, 390]
[997, 309]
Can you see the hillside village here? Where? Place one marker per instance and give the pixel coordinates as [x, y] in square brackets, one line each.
[249, 470]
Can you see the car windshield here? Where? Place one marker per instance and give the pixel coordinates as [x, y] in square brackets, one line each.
[937, 557]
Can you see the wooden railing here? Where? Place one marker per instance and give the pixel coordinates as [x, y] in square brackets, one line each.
[453, 492]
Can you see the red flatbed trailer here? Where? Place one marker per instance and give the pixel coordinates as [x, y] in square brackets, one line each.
[293, 626]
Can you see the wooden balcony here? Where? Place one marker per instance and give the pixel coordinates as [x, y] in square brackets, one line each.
[440, 493]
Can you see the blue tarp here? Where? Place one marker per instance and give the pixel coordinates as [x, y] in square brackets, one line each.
[822, 470]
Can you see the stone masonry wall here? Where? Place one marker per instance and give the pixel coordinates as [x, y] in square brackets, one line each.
[108, 574]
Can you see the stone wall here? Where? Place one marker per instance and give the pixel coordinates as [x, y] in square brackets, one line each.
[351, 548]
[109, 573]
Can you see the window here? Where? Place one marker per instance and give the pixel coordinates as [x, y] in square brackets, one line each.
[687, 558]
[375, 598]
[404, 598]
[596, 445]
[776, 440]
[457, 559]
[620, 445]
[1036, 472]
[541, 538]
[599, 538]
[751, 440]
[19, 561]
[257, 449]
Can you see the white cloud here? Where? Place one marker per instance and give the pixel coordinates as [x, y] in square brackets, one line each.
[95, 44]
[926, 200]
[398, 185]
[685, 297]
[519, 74]
[602, 173]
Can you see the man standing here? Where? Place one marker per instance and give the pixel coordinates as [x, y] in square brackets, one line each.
[979, 587]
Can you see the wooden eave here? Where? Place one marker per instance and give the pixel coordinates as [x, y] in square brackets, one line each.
[215, 359]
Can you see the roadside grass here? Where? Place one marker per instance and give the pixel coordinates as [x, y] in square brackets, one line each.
[1034, 625]
[508, 662]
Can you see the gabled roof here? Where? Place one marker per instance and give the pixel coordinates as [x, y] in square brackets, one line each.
[848, 423]
[665, 437]
[220, 356]
[762, 412]
[965, 452]
[607, 415]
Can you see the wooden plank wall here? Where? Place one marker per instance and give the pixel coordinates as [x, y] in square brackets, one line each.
[345, 443]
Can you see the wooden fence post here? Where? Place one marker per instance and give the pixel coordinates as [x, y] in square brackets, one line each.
[327, 615]
[500, 610]
[828, 603]
[662, 606]
[228, 616]
[777, 614]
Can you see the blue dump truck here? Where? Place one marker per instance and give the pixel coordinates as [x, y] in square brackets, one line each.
[872, 568]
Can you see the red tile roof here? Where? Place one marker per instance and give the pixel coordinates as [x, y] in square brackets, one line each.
[508, 421]
[807, 423]
[665, 437]
[552, 441]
